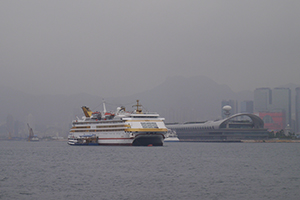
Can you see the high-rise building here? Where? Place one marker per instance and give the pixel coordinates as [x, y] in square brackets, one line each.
[247, 107]
[233, 104]
[277, 100]
[281, 101]
[262, 99]
[297, 124]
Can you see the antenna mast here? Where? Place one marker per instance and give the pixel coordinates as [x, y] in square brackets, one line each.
[138, 110]
[104, 108]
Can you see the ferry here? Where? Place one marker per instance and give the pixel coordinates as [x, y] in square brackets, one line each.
[136, 128]
[171, 136]
[34, 139]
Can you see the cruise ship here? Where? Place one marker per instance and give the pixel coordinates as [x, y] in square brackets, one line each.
[136, 128]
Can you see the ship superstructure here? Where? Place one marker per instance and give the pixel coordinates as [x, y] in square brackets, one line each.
[135, 128]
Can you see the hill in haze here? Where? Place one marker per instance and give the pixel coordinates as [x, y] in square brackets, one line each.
[178, 99]
[181, 99]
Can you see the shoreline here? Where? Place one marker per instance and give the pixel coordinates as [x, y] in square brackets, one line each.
[271, 141]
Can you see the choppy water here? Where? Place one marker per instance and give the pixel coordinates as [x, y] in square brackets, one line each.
[54, 170]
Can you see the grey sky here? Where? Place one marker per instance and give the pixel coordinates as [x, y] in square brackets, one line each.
[112, 48]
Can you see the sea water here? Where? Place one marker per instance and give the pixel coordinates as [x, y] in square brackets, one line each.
[55, 170]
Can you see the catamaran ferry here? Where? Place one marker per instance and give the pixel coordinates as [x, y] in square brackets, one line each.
[135, 128]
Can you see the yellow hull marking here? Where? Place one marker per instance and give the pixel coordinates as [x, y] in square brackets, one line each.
[147, 129]
[144, 121]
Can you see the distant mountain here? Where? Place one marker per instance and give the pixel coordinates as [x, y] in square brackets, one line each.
[178, 99]
[181, 99]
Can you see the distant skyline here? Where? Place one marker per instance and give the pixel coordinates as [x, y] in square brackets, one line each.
[117, 48]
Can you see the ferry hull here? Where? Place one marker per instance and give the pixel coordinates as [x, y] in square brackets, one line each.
[171, 140]
[115, 142]
[147, 140]
[140, 140]
[83, 144]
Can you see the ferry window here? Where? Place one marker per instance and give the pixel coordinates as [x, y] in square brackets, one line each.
[149, 125]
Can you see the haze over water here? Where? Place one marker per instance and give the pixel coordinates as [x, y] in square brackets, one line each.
[119, 48]
[54, 170]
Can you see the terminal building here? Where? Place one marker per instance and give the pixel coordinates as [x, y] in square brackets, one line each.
[298, 110]
[235, 128]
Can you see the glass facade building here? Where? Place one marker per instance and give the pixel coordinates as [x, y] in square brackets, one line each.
[277, 100]
[297, 124]
[247, 107]
[281, 101]
[262, 99]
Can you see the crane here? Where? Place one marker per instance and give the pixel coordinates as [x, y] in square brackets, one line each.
[30, 132]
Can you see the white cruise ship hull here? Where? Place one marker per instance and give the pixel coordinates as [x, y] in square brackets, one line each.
[116, 141]
[139, 140]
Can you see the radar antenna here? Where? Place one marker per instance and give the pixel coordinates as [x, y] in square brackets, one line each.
[226, 110]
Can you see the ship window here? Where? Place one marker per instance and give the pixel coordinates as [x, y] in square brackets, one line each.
[149, 125]
[145, 117]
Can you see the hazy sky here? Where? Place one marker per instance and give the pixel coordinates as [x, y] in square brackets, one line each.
[112, 48]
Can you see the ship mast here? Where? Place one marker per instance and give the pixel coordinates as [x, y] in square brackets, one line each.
[138, 110]
[104, 107]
